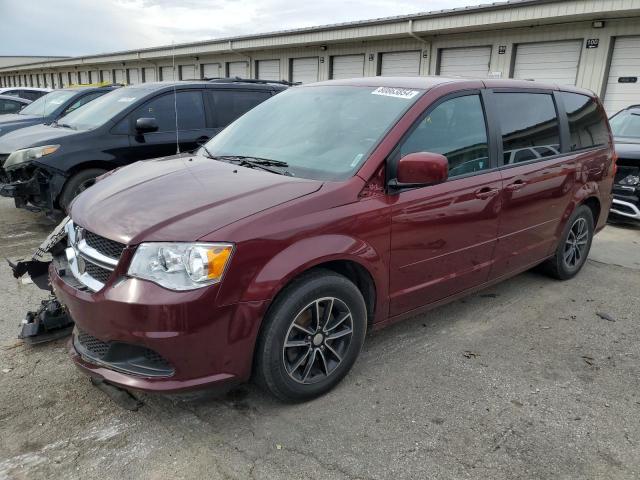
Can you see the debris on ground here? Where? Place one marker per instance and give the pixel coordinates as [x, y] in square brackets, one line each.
[469, 354]
[588, 360]
[605, 316]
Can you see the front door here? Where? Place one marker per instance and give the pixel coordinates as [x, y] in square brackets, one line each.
[443, 236]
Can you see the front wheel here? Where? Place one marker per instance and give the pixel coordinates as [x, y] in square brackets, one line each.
[77, 184]
[311, 337]
[575, 243]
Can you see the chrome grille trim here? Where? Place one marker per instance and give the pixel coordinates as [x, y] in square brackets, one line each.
[79, 252]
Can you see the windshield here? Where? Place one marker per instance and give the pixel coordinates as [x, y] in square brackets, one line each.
[323, 132]
[626, 124]
[46, 104]
[101, 110]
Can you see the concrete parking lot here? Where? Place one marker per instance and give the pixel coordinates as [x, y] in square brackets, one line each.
[524, 380]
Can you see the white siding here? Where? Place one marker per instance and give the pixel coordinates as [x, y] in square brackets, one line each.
[555, 62]
[347, 66]
[237, 69]
[304, 70]
[268, 69]
[149, 74]
[106, 75]
[625, 62]
[400, 64]
[166, 74]
[472, 62]
[187, 72]
[211, 70]
[84, 78]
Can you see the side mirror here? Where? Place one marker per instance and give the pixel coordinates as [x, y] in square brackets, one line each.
[146, 125]
[420, 169]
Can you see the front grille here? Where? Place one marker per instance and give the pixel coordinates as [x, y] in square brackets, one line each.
[124, 357]
[107, 247]
[97, 272]
[96, 347]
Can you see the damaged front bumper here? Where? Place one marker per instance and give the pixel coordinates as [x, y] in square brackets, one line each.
[32, 187]
[51, 320]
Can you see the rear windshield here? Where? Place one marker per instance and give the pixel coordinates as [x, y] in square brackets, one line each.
[322, 132]
[46, 104]
[626, 124]
[101, 110]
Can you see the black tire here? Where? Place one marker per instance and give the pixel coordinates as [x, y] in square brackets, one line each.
[78, 183]
[332, 358]
[559, 266]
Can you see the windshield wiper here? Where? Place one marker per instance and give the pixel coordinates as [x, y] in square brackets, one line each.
[255, 162]
[63, 125]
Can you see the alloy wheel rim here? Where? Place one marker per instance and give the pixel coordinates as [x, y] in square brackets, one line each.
[576, 243]
[317, 340]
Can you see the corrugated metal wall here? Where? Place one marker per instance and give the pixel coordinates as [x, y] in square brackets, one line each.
[503, 39]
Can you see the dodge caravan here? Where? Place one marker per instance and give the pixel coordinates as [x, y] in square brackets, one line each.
[329, 210]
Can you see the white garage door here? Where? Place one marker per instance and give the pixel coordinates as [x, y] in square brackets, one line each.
[166, 74]
[84, 78]
[237, 69]
[304, 70]
[106, 75]
[268, 69]
[625, 62]
[149, 74]
[472, 62]
[554, 62]
[134, 76]
[187, 72]
[400, 64]
[347, 66]
[211, 70]
[119, 77]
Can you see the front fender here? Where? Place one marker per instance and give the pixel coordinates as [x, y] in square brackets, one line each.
[311, 252]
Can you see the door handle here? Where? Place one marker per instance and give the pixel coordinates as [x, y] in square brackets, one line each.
[517, 185]
[486, 192]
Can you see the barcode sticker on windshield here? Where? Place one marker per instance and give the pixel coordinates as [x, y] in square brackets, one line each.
[395, 92]
[127, 99]
[56, 102]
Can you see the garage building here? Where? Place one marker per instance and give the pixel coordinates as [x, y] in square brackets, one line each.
[593, 44]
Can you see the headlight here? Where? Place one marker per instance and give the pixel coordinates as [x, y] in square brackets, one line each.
[181, 266]
[28, 154]
[630, 180]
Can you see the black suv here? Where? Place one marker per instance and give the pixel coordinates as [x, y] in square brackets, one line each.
[626, 188]
[50, 107]
[46, 166]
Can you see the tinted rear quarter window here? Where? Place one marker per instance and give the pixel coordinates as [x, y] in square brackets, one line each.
[587, 123]
[527, 120]
[231, 104]
[9, 106]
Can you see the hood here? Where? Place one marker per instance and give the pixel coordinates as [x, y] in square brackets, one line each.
[628, 147]
[32, 136]
[11, 122]
[180, 198]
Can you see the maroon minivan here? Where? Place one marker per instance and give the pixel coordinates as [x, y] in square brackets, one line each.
[326, 211]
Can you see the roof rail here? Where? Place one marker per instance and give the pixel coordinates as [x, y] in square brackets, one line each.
[249, 80]
[95, 85]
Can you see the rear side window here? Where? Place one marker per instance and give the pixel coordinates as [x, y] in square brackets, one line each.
[190, 111]
[231, 104]
[456, 129]
[587, 124]
[527, 120]
[31, 94]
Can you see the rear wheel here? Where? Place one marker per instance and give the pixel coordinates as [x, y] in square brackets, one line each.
[77, 184]
[311, 337]
[574, 245]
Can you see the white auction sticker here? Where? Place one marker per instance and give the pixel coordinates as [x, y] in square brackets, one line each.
[127, 99]
[395, 92]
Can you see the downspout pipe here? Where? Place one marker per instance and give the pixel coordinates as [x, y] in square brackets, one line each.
[423, 41]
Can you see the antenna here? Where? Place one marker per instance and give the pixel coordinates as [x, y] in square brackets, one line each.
[175, 95]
